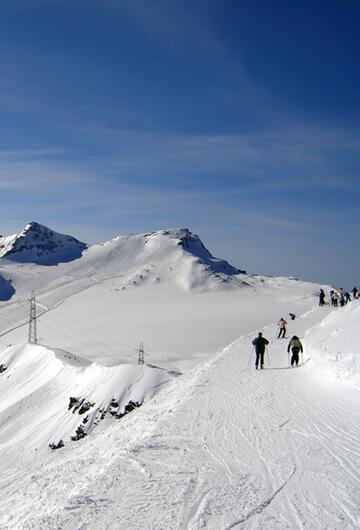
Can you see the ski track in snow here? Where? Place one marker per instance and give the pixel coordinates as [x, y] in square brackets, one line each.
[222, 447]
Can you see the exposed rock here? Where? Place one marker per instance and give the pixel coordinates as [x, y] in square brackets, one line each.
[56, 446]
[73, 401]
[131, 406]
[79, 434]
[85, 407]
[80, 405]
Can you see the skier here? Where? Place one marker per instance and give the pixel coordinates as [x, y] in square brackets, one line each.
[332, 293]
[342, 296]
[347, 297]
[260, 343]
[296, 347]
[321, 297]
[355, 292]
[282, 328]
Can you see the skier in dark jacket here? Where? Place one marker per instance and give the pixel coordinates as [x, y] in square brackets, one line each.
[355, 292]
[321, 297]
[260, 343]
[296, 347]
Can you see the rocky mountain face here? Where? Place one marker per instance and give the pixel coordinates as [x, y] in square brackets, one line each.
[41, 245]
[193, 244]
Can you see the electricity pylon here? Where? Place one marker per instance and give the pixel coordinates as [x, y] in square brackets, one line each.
[141, 354]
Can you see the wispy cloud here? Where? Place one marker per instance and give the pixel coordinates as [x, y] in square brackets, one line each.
[29, 154]
[299, 157]
[287, 159]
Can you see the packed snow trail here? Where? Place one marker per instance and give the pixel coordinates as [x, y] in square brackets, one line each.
[222, 447]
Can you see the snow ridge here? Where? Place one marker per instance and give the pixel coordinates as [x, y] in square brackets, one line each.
[55, 396]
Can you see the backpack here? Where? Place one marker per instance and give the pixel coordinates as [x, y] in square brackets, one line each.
[295, 343]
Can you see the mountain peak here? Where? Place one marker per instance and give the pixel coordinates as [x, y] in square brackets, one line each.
[192, 244]
[37, 243]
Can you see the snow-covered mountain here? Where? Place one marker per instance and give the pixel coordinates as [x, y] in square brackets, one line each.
[167, 254]
[173, 256]
[39, 244]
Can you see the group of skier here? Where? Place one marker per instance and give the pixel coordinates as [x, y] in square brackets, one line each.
[261, 342]
[339, 298]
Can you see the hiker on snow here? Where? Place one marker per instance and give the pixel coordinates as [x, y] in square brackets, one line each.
[321, 297]
[355, 292]
[296, 347]
[282, 328]
[335, 299]
[260, 343]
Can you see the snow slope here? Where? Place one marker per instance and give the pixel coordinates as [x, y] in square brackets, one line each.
[35, 393]
[335, 346]
[223, 446]
[219, 446]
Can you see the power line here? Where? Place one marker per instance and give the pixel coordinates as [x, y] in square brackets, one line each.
[115, 344]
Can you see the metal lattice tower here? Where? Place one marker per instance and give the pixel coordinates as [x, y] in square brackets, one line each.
[32, 339]
[141, 354]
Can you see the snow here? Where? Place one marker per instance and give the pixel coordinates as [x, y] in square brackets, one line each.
[334, 345]
[37, 386]
[215, 443]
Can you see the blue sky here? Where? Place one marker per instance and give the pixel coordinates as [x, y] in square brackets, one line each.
[237, 119]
